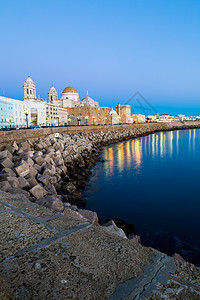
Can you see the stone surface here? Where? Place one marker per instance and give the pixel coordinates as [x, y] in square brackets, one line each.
[38, 191]
[6, 163]
[90, 215]
[23, 169]
[113, 229]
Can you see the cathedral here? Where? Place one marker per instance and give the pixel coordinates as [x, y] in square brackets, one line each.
[70, 98]
[80, 112]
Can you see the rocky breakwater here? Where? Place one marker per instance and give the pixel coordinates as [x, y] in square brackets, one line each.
[53, 170]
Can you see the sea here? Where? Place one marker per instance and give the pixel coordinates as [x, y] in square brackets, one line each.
[152, 182]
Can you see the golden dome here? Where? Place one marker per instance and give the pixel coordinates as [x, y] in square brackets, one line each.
[70, 89]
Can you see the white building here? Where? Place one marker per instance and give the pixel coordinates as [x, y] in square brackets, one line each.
[115, 117]
[36, 112]
[29, 90]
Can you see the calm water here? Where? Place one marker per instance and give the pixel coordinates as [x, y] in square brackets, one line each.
[154, 183]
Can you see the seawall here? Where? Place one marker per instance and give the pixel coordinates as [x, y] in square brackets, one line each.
[34, 134]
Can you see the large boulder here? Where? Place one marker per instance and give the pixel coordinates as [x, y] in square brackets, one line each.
[6, 163]
[14, 182]
[111, 227]
[5, 154]
[32, 181]
[24, 184]
[38, 191]
[91, 216]
[50, 188]
[45, 179]
[70, 188]
[52, 202]
[22, 169]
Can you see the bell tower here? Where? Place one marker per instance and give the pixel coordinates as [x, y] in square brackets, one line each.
[29, 90]
[52, 95]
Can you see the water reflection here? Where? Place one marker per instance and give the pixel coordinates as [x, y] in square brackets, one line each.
[160, 169]
[131, 152]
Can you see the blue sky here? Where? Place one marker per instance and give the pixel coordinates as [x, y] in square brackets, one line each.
[111, 48]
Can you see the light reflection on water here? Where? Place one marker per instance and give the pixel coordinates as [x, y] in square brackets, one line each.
[153, 183]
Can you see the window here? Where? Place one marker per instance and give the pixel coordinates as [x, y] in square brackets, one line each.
[30, 91]
[27, 91]
[5, 118]
[51, 98]
[2, 118]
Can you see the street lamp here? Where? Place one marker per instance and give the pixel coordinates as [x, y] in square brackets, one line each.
[86, 120]
[93, 118]
[57, 117]
[69, 121]
[26, 111]
[78, 121]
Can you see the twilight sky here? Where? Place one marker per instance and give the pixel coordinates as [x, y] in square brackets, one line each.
[110, 48]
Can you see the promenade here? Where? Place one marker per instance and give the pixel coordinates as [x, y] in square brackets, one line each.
[46, 255]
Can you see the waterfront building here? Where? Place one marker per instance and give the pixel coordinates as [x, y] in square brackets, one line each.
[165, 118]
[52, 117]
[114, 117]
[6, 113]
[124, 112]
[138, 118]
[62, 116]
[89, 115]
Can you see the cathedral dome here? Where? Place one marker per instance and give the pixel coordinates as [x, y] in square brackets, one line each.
[69, 89]
[87, 101]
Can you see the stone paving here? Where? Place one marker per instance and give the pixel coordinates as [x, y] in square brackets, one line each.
[46, 255]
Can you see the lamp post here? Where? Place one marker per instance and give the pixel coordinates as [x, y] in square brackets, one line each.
[69, 121]
[26, 111]
[105, 120]
[58, 117]
[93, 118]
[86, 120]
[47, 118]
